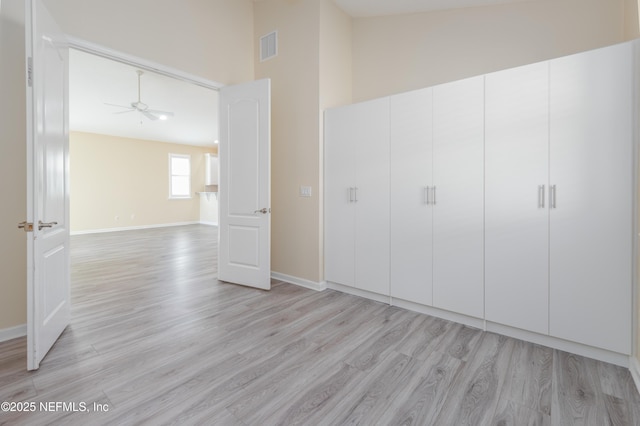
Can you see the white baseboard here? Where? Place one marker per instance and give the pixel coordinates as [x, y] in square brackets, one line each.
[359, 292]
[634, 367]
[13, 332]
[564, 345]
[440, 313]
[132, 228]
[317, 286]
[552, 342]
[203, 222]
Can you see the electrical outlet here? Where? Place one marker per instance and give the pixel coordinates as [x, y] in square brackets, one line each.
[305, 191]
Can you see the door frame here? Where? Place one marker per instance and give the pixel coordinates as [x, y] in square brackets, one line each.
[144, 64]
[108, 53]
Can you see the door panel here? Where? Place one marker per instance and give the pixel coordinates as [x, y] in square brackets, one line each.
[339, 178]
[516, 186]
[243, 157]
[48, 275]
[244, 190]
[591, 226]
[458, 211]
[411, 159]
[372, 196]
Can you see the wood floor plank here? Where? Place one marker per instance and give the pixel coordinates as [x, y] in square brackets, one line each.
[423, 395]
[577, 397]
[510, 413]
[426, 338]
[529, 376]
[157, 339]
[479, 383]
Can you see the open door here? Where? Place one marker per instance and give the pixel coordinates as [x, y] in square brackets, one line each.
[244, 255]
[47, 224]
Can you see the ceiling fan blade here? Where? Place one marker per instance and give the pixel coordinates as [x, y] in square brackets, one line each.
[119, 106]
[124, 112]
[160, 112]
[149, 115]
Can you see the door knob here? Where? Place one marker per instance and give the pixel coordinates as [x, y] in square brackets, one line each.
[263, 211]
[42, 224]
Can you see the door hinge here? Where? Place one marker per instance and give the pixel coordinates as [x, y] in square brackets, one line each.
[27, 226]
[30, 71]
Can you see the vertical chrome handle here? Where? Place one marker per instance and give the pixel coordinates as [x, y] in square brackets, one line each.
[426, 195]
[552, 196]
[434, 195]
[355, 198]
[541, 197]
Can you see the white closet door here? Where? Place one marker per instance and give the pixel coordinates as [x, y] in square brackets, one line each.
[339, 179]
[516, 211]
[591, 224]
[371, 127]
[458, 176]
[411, 211]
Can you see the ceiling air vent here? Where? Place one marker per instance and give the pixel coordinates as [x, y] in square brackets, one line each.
[268, 46]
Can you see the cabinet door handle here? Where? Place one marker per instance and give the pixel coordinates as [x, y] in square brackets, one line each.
[434, 195]
[427, 201]
[552, 196]
[350, 194]
[355, 190]
[541, 197]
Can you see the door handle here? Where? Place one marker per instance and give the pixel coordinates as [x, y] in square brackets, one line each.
[27, 226]
[541, 197]
[263, 211]
[42, 224]
[355, 190]
[427, 199]
[552, 196]
[434, 195]
[351, 194]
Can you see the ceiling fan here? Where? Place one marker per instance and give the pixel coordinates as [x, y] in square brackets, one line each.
[141, 107]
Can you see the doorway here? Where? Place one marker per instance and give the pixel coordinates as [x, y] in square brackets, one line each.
[141, 145]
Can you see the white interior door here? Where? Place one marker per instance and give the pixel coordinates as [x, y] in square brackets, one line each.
[48, 277]
[245, 181]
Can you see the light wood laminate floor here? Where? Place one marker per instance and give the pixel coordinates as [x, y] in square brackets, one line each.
[156, 339]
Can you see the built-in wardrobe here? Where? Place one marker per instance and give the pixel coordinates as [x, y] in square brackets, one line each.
[504, 201]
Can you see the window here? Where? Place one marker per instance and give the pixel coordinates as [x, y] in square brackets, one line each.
[180, 172]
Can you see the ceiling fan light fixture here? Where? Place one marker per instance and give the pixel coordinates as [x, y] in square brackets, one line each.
[142, 108]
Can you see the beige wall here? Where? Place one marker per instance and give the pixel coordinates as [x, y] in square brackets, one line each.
[209, 38]
[311, 72]
[406, 52]
[631, 19]
[119, 182]
[294, 132]
[13, 186]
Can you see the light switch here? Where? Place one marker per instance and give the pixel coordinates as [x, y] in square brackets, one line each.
[305, 191]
